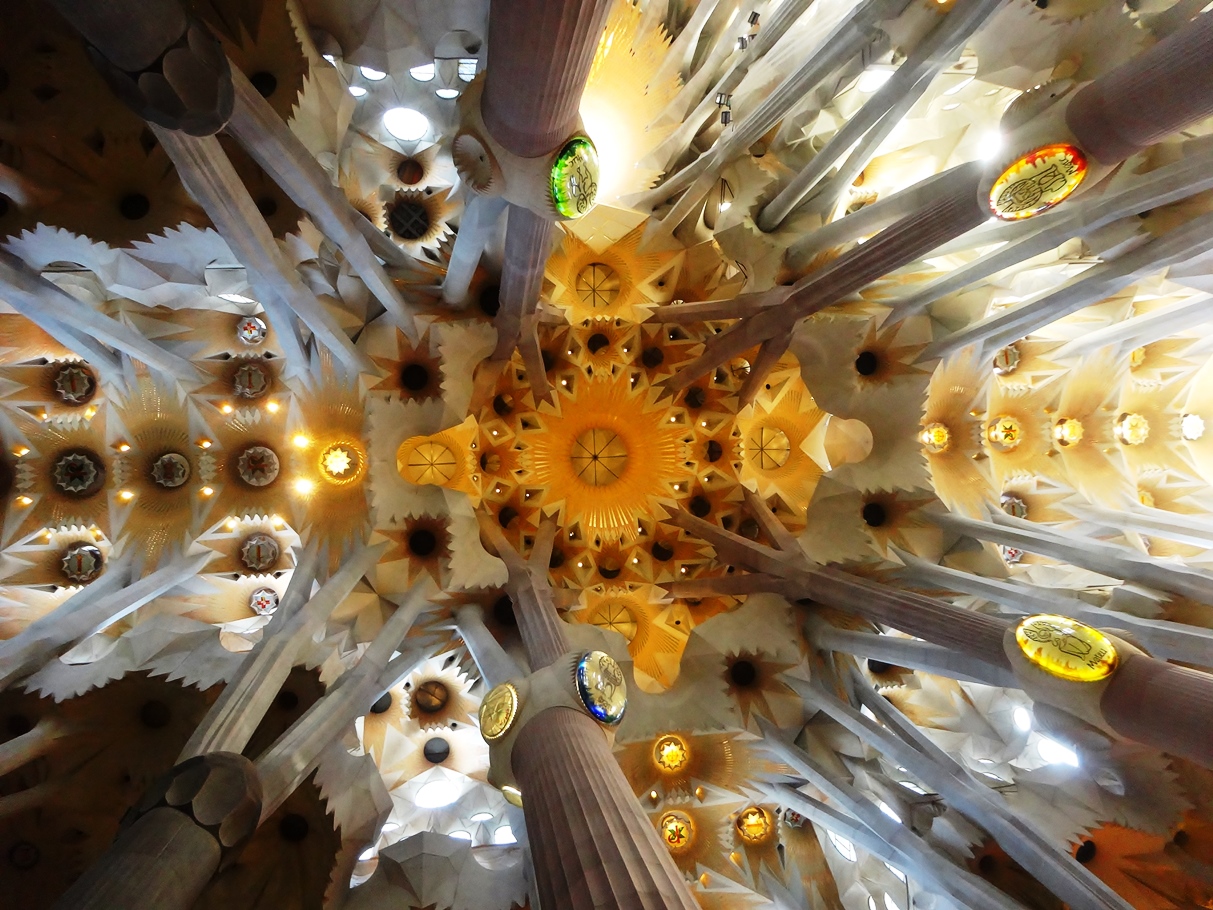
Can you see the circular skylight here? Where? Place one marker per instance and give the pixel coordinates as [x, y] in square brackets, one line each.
[405, 123]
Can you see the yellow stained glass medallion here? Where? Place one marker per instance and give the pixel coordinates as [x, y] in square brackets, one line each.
[1066, 648]
[1037, 181]
[670, 754]
[1004, 433]
[342, 462]
[754, 825]
[498, 711]
[936, 438]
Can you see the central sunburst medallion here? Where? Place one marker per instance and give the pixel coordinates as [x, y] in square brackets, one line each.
[607, 455]
[599, 457]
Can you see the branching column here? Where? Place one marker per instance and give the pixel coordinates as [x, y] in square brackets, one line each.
[592, 845]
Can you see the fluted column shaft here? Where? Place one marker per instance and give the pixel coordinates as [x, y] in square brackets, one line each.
[1148, 97]
[1169, 707]
[539, 58]
[130, 34]
[592, 845]
[162, 862]
[528, 240]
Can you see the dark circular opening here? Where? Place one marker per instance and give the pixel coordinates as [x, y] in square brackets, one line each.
[506, 515]
[700, 506]
[422, 542]
[293, 828]
[1181, 838]
[436, 750]
[134, 206]
[18, 725]
[1085, 852]
[155, 714]
[549, 360]
[597, 342]
[874, 514]
[715, 450]
[287, 700]
[410, 171]
[748, 528]
[878, 666]
[987, 864]
[556, 560]
[743, 673]
[431, 696]
[382, 704]
[408, 220]
[609, 571]
[695, 397]
[866, 363]
[501, 407]
[503, 611]
[652, 357]
[265, 83]
[267, 206]
[414, 377]
[662, 552]
[489, 300]
[24, 855]
[1042, 4]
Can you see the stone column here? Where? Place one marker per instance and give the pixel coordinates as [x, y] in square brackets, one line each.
[198, 816]
[161, 61]
[593, 847]
[1168, 707]
[1148, 97]
[539, 58]
[591, 844]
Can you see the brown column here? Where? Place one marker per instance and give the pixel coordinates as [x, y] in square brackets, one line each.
[162, 62]
[528, 240]
[539, 58]
[1168, 707]
[200, 814]
[1147, 98]
[592, 846]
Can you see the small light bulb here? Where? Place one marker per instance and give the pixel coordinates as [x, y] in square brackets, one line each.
[204, 443]
[301, 441]
[304, 486]
[272, 407]
[21, 451]
[230, 524]
[24, 500]
[126, 495]
[208, 491]
[226, 408]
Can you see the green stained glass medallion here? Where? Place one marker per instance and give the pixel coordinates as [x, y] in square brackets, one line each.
[575, 178]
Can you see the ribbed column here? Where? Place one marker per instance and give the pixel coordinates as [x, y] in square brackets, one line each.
[163, 63]
[1168, 707]
[539, 625]
[528, 239]
[923, 617]
[194, 818]
[593, 847]
[130, 33]
[1148, 97]
[539, 58]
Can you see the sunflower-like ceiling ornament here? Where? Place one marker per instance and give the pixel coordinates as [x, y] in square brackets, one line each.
[597, 280]
[606, 455]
